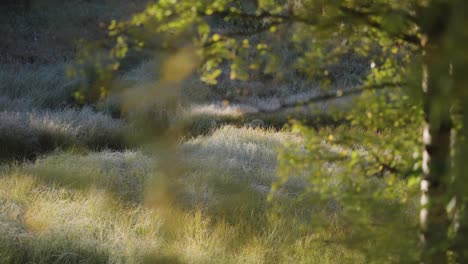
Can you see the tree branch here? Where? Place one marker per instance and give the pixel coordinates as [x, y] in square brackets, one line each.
[312, 20]
[365, 17]
[329, 96]
[241, 34]
[385, 166]
[265, 15]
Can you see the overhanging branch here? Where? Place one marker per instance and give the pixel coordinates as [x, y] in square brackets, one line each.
[329, 96]
[314, 21]
[264, 15]
[366, 18]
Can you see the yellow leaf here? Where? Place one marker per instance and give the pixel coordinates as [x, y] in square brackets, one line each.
[245, 43]
[233, 75]
[253, 66]
[216, 37]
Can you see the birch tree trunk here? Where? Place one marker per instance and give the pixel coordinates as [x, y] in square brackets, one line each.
[458, 38]
[434, 221]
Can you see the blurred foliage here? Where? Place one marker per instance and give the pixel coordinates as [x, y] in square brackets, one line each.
[370, 170]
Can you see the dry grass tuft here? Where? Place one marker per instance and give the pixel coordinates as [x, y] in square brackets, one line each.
[28, 134]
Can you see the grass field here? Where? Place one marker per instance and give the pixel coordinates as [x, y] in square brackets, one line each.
[77, 185]
[118, 207]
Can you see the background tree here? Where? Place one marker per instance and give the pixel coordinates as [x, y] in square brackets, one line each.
[457, 53]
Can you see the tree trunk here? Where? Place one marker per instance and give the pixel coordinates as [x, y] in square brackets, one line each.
[460, 221]
[458, 38]
[434, 221]
[460, 245]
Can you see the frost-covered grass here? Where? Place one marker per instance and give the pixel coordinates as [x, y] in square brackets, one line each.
[26, 87]
[27, 134]
[109, 207]
[248, 153]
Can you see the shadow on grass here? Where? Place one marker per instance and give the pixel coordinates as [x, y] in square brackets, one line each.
[204, 124]
[25, 136]
[32, 251]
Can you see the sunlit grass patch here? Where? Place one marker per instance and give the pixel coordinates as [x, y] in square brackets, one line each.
[121, 173]
[92, 208]
[84, 226]
[58, 224]
[244, 152]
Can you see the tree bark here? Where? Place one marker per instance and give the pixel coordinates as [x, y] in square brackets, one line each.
[460, 222]
[434, 221]
[458, 38]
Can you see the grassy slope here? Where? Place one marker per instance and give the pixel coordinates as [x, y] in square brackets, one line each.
[91, 208]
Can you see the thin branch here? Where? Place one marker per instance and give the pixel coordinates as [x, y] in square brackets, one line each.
[329, 96]
[365, 17]
[264, 15]
[313, 21]
[384, 165]
[256, 31]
